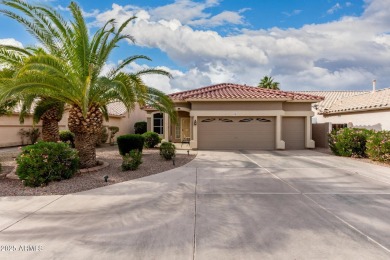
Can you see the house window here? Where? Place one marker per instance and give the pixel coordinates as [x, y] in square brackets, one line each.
[177, 130]
[158, 123]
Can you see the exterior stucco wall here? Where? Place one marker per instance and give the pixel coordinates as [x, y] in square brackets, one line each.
[127, 121]
[377, 120]
[10, 127]
[288, 106]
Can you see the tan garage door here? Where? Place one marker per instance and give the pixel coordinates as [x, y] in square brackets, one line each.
[236, 133]
[293, 132]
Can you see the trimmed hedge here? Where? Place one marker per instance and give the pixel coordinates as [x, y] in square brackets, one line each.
[349, 142]
[378, 146]
[127, 143]
[151, 139]
[43, 162]
[167, 150]
[140, 127]
[67, 136]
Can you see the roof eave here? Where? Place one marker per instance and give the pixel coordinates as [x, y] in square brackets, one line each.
[355, 110]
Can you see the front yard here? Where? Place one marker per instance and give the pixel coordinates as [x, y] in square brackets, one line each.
[152, 164]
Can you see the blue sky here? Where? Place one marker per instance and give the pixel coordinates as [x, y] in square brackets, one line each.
[304, 45]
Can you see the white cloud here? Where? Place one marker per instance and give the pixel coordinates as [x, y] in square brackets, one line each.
[343, 54]
[11, 41]
[293, 13]
[334, 9]
[226, 17]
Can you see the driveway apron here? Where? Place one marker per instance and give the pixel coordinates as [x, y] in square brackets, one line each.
[222, 205]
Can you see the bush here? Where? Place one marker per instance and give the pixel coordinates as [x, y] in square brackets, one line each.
[40, 163]
[32, 134]
[67, 136]
[378, 146]
[113, 130]
[103, 137]
[140, 127]
[127, 143]
[349, 142]
[151, 139]
[167, 150]
[132, 160]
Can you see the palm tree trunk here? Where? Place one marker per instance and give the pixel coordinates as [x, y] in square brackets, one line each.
[50, 128]
[86, 132]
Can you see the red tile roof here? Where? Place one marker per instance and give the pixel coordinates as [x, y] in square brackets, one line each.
[228, 91]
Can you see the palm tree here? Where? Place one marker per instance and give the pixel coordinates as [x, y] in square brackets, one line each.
[70, 71]
[268, 83]
[46, 109]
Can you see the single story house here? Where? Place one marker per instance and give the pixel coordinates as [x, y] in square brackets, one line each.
[360, 109]
[232, 116]
[118, 116]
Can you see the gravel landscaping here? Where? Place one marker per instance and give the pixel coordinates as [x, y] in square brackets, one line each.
[152, 164]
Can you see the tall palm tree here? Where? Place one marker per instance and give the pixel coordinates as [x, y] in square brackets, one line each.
[71, 71]
[268, 83]
[47, 110]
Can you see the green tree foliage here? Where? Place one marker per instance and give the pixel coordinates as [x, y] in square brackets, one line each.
[268, 83]
[70, 70]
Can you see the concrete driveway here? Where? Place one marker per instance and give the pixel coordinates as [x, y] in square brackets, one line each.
[222, 205]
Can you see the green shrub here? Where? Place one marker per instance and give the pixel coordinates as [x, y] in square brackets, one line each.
[32, 135]
[349, 142]
[167, 150]
[378, 146]
[132, 160]
[67, 136]
[40, 163]
[103, 137]
[129, 142]
[140, 127]
[151, 139]
[113, 130]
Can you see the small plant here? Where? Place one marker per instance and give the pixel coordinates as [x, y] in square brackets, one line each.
[67, 136]
[102, 139]
[132, 160]
[140, 127]
[43, 162]
[113, 130]
[167, 150]
[151, 139]
[378, 146]
[349, 142]
[32, 134]
[127, 143]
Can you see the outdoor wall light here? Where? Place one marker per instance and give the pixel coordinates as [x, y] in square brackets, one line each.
[105, 178]
[195, 122]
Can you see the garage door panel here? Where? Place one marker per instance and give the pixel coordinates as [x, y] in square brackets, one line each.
[221, 133]
[293, 132]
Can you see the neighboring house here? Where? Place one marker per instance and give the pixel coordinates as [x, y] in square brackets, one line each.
[10, 126]
[231, 116]
[361, 109]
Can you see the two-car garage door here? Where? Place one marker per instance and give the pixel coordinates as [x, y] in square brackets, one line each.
[236, 133]
[249, 133]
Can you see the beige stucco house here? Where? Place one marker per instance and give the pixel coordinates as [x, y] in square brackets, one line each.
[232, 116]
[360, 109]
[118, 116]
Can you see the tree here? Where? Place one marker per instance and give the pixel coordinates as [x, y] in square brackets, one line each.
[46, 109]
[268, 83]
[71, 71]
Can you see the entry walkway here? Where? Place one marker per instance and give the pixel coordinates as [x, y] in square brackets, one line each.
[222, 205]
